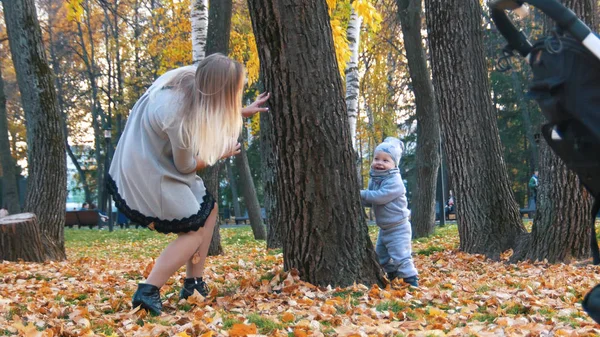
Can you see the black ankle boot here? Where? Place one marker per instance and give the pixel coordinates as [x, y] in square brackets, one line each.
[148, 296]
[191, 284]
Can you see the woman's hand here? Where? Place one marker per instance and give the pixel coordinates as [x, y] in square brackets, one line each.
[235, 149]
[255, 107]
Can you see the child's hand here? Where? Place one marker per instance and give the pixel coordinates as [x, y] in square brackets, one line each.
[235, 149]
[255, 107]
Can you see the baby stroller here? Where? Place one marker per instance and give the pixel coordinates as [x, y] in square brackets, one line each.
[566, 86]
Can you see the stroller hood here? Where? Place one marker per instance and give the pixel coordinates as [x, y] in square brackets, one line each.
[566, 86]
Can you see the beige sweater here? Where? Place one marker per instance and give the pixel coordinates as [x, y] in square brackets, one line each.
[154, 174]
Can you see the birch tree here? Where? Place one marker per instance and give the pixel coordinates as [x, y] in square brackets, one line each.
[199, 16]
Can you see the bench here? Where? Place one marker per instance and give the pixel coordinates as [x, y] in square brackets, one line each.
[243, 219]
[82, 218]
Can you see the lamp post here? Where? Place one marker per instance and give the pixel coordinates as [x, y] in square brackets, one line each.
[107, 136]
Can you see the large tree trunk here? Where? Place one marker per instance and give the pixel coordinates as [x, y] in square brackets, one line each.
[20, 238]
[561, 229]
[325, 236]
[47, 183]
[10, 190]
[249, 191]
[487, 213]
[199, 20]
[217, 41]
[269, 160]
[428, 119]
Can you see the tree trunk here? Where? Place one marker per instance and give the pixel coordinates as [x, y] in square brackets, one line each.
[219, 26]
[561, 229]
[20, 238]
[217, 32]
[10, 190]
[428, 119]
[234, 190]
[249, 191]
[352, 76]
[199, 16]
[487, 213]
[47, 181]
[325, 236]
[269, 161]
[210, 176]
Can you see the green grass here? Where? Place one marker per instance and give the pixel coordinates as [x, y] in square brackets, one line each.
[393, 306]
[489, 318]
[430, 250]
[264, 325]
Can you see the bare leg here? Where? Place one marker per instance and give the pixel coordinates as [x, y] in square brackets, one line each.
[181, 250]
[197, 269]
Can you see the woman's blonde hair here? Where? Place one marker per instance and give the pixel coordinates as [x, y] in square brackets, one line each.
[209, 118]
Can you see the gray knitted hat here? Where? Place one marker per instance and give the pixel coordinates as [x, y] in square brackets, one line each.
[392, 146]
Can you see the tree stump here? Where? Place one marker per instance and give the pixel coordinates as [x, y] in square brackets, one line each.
[20, 238]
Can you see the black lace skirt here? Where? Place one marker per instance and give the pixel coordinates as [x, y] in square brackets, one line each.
[191, 223]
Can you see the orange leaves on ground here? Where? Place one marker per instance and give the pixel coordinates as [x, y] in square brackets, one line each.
[251, 295]
[241, 330]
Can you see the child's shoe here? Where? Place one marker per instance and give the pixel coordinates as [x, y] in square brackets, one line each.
[413, 280]
[191, 284]
[148, 296]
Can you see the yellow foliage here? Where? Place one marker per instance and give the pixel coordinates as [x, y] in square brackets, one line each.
[340, 42]
[242, 44]
[173, 43]
[74, 10]
[369, 14]
[331, 4]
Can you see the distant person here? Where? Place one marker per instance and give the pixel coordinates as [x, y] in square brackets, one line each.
[387, 197]
[93, 207]
[450, 203]
[533, 190]
[187, 120]
[85, 206]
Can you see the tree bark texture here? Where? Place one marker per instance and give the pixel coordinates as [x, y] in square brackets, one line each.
[352, 76]
[269, 161]
[199, 18]
[561, 230]
[325, 236]
[428, 119]
[217, 32]
[10, 190]
[219, 26]
[47, 183]
[487, 213]
[210, 176]
[249, 191]
[20, 238]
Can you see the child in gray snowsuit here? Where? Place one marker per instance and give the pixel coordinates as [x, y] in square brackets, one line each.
[387, 196]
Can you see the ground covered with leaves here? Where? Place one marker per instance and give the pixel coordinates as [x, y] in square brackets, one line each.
[251, 295]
